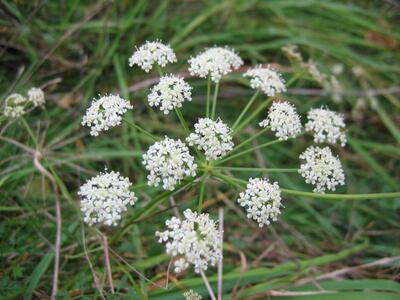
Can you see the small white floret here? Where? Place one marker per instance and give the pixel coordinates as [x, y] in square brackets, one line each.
[36, 96]
[267, 79]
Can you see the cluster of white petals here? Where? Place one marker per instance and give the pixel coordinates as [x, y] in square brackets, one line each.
[267, 79]
[168, 162]
[105, 112]
[213, 137]
[36, 96]
[194, 241]
[283, 120]
[170, 93]
[105, 197]
[327, 126]
[262, 200]
[321, 169]
[14, 106]
[192, 295]
[214, 62]
[152, 53]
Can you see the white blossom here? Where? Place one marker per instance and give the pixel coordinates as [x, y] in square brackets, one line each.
[321, 169]
[195, 240]
[105, 197]
[192, 295]
[105, 112]
[267, 79]
[14, 106]
[213, 137]
[168, 162]
[152, 53]
[216, 62]
[262, 200]
[36, 96]
[327, 126]
[170, 93]
[283, 120]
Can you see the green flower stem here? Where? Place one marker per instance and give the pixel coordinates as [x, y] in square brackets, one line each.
[208, 96]
[230, 180]
[253, 115]
[30, 132]
[140, 129]
[245, 110]
[202, 193]
[182, 120]
[214, 105]
[271, 170]
[160, 72]
[341, 196]
[250, 139]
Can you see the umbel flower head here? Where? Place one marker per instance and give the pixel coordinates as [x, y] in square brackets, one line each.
[170, 93]
[105, 112]
[168, 162]
[266, 79]
[152, 53]
[192, 295]
[283, 120]
[262, 200]
[321, 169]
[194, 241]
[105, 197]
[36, 96]
[327, 126]
[213, 137]
[15, 106]
[214, 62]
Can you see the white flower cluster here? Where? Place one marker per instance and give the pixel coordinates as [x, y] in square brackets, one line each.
[194, 240]
[105, 197]
[266, 79]
[216, 62]
[168, 161]
[213, 137]
[321, 169]
[328, 126]
[262, 200]
[105, 112]
[283, 119]
[151, 53]
[192, 295]
[36, 96]
[15, 106]
[169, 93]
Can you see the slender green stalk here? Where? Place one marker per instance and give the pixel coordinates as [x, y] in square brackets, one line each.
[202, 193]
[208, 96]
[144, 131]
[214, 105]
[342, 197]
[160, 72]
[245, 110]
[271, 170]
[30, 132]
[182, 120]
[244, 143]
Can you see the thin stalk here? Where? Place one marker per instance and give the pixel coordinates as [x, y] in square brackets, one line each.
[140, 129]
[230, 180]
[253, 115]
[342, 197]
[160, 72]
[107, 262]
[220, 262]
[214, 105]
[245, 110]
[182, 120]
[30, 132]
[208, 286]
[202, 193]
[271, 170]
[208, 95]
[250, 139]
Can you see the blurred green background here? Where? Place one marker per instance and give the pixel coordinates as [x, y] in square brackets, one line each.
[78, 49]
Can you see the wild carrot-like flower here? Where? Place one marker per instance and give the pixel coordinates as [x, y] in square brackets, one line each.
[321, 169]
[105, 113]
[283, 120]
[105, 197]
[213, 137]
[216, 62]
[192, 295]
[267, 79]
[168, 162]
[195, 240]
[262, 200]
[15, 106]
[327, 126]
[170, 93]
[152, 53]
[36, 96]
